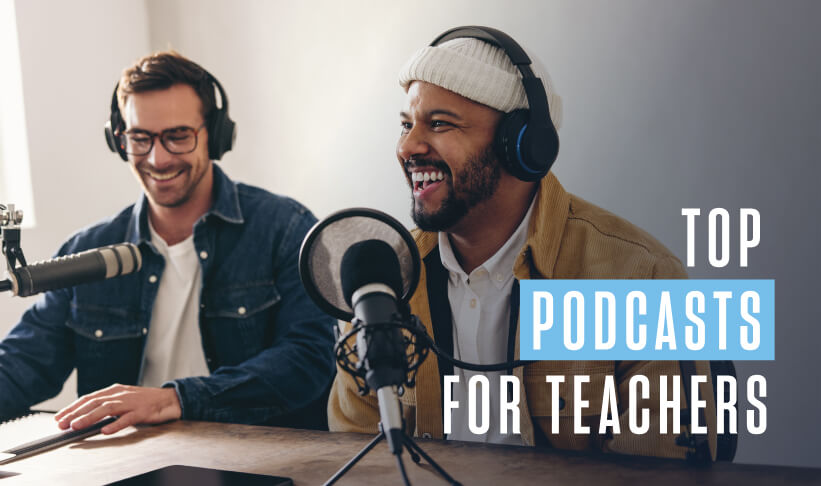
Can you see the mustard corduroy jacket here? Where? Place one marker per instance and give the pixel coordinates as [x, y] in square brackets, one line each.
[568, 238]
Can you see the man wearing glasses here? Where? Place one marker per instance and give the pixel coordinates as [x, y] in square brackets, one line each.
[216, 325]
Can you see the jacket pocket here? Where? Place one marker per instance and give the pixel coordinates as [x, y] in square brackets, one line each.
[108, 346]
[239, 319]
[101, 324]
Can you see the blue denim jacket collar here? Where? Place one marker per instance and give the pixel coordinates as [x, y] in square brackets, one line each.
[226, 206]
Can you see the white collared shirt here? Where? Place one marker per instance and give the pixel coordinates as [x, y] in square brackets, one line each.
[480, 309]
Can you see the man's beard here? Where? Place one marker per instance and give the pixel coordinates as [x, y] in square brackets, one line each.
[477, 181]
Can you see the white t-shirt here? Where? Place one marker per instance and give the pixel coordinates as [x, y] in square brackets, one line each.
[480, 308]
[174, 346]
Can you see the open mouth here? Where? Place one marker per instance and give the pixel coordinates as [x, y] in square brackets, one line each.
[425, 180]
[163, 176]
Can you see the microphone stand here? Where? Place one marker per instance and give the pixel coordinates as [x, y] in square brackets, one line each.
[409, 445]
[401, 441]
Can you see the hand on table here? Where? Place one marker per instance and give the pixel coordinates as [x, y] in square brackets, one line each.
[132, 404]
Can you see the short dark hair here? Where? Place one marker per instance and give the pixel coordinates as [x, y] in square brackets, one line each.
[162, 70]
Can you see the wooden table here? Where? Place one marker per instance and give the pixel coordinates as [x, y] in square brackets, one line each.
[312, 457]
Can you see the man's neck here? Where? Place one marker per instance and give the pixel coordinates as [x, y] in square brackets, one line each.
[175, 224]
[487, 226]
[171, 226]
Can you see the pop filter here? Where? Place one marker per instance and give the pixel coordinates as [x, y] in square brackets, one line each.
[322, 250]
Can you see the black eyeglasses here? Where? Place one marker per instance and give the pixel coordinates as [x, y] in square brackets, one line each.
[177, 140]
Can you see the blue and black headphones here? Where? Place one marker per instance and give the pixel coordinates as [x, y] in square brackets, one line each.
[526, 141]
[222, 131]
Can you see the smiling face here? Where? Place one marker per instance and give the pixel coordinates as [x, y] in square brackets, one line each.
[446, 151]
[170, 180]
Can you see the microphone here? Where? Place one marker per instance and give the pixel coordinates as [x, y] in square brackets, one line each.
[75, 269]
[371, 280]
[361, 265]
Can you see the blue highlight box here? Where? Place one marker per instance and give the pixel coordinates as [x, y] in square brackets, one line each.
[748, 330]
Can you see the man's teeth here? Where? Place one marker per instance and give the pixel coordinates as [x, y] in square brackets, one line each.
[427, 176]
[163, 177]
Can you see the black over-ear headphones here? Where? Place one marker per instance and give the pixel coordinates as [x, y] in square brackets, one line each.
[222, 131]
[526, 140]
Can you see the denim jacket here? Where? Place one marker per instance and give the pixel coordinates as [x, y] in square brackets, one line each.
[267, 346]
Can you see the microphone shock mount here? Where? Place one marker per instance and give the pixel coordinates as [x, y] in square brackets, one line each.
[416, 350]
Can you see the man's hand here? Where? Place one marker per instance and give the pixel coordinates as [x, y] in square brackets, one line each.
[132, 404]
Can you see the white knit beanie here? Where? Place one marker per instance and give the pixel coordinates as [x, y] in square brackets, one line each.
[478, 71]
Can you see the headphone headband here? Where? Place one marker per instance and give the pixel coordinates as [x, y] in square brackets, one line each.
[514, 51]
[220, 90]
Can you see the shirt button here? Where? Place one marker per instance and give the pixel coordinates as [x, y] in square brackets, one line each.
[241, 311]
[499, 277]
[203, 254]
[152, 279]
[98, 333]
[472, 303]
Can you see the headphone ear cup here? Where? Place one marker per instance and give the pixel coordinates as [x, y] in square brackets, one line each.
[113, 126]
[114, 142]
[221, 134]
[110, 139]
[527, 152]
[507, 140]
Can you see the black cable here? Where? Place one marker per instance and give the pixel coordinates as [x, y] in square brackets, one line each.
[507, 365]
[5, 285]
[504, 366]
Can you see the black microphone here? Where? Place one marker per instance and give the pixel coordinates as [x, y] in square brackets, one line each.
[75, 269]
[371, 281]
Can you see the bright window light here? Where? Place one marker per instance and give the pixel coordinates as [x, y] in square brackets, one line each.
[15, 176]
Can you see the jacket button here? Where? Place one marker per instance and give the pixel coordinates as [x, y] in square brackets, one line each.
[561, 403]
[145, 331]
[98, 333]
[427, 435]
[203, 254]
[241, 311]
[152, 279]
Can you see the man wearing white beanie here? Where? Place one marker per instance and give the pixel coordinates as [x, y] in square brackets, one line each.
[481, 230]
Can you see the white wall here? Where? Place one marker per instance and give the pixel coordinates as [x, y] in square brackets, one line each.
[15, 177]
[668, 104]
